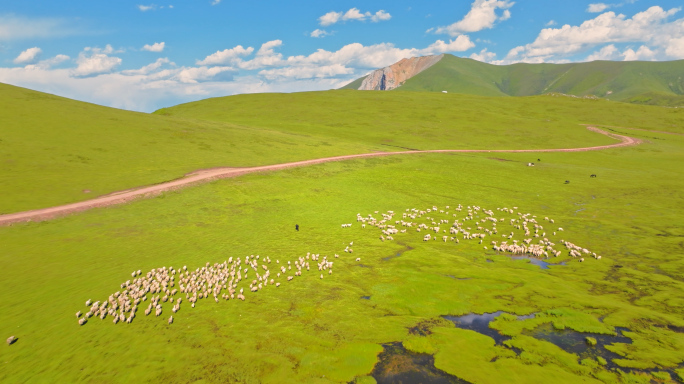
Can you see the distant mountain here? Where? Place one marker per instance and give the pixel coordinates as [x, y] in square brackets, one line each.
[657, 83]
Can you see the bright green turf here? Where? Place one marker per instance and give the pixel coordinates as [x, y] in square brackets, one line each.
[314, 330]
[52, 149]
[621, 81]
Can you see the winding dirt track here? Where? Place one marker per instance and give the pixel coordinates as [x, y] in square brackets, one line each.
[220, 173]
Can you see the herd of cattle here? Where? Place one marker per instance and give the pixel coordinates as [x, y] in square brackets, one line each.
[228, 280]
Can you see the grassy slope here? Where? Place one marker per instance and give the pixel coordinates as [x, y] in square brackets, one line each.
[624, 80]
[429, 120]
[52, 148]
[319, 331]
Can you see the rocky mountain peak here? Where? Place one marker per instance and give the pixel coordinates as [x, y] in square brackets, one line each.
[391, 77]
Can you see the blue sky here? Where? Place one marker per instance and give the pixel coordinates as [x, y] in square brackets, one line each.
[143, 55]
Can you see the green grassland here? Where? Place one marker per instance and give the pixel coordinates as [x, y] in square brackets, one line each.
[618, 81]
[320, 330]
[53, 149]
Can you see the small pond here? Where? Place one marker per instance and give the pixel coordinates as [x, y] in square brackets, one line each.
[575, 342]
[533, 260]
[479, 323]
[396, 365]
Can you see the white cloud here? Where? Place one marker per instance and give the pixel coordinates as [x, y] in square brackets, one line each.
[49, 63]
[675, 48]
[265, 56]
[156, 47]
[95, 61]
[226, 56]
[375, 56]
[333, 17]
[649, 26]
[14, 27]
[330, 18]
[609, 52]
[381, 15]
[484, 56]
[148, 68]
[215, 2]
[306, 72]
[319, 33]
[598, 7]
[550, 23]
[482, 15]
[355, 14]
[195, 75]
[28, 56]
[145, 8]
[643, 53]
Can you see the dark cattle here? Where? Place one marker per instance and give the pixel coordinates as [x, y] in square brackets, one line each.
[593, 176]
[297, 227]
[567, 181]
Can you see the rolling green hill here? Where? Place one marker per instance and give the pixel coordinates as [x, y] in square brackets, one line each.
[620, 81]
[56, 151]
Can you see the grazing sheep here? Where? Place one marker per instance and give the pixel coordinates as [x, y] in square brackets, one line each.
[170, 320]
[11, 340]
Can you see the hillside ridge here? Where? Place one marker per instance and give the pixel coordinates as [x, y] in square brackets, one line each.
[655, 83]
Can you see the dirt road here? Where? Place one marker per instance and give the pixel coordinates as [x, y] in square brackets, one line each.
[220, 173]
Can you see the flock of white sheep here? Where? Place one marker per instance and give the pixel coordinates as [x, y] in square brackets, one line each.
[220, 280]
[217, 282]
[476, 223]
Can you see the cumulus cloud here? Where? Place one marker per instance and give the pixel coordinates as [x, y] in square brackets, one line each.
[266, 56]
[550, 23]
[147, 69]
[357, 55]
[156, 47]
[319, 33]
[226, 56]
[28, 56]
[482, 15]
[306, 72]
[330, 18]
[195, 75]
[675, 48]
[598, 7]
[650, 26]
[643, 53]
[483, 56]
[381, 15]
[49, 63]
[95, 61]
[145, 8]
[609, 52]
[333, 17]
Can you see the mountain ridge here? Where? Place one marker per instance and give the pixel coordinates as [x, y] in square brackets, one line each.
[657, 83]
